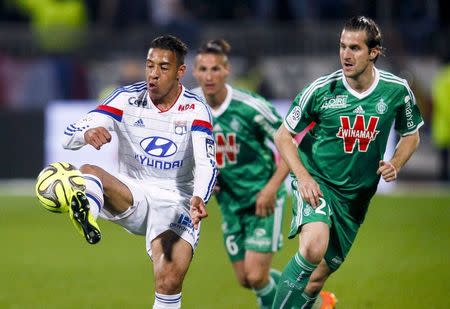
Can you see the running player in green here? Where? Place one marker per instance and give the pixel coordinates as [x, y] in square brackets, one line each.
[250, 187]
[339, 162]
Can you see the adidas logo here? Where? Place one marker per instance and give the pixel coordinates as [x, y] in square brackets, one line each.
[359, 110]
[217, 127]
[139, 123]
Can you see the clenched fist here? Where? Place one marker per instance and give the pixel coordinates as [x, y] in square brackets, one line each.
[97, 137]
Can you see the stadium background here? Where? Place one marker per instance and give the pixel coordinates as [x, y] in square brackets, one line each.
[72, 50]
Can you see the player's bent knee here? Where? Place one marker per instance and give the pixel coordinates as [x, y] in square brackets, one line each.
[91, 169]
[312, 254]
[256, 279]
[256, 282]
[241, 277]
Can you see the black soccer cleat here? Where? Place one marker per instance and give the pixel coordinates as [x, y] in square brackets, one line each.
[82, 219]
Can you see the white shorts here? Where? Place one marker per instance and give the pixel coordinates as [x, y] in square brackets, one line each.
[155, 211]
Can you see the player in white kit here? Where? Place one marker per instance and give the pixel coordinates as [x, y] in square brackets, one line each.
[167, 167]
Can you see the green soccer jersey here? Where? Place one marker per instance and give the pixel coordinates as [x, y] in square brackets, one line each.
[243, 125]
[349, 138]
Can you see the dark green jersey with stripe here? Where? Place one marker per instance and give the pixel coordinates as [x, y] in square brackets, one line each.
[351, 131]
[243, 126]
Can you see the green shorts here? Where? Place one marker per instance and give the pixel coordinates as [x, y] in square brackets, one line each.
[333, 211]
[243, 230]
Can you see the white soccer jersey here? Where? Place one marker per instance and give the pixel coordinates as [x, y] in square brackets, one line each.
[172, 149]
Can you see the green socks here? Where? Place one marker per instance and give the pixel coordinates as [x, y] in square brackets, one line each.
[290, 290]
[266, 294]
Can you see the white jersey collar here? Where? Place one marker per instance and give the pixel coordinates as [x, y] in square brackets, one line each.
[364, 94]
[177, 100]
[223, 107]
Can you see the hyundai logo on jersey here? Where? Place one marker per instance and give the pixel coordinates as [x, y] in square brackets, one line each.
[159, 146]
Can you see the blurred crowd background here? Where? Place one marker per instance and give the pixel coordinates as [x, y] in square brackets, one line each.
[82, 49]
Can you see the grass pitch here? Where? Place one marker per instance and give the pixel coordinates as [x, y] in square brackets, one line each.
[400, 260]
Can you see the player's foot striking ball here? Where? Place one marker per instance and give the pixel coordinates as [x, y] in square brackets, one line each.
[82, 219]
[60, 188]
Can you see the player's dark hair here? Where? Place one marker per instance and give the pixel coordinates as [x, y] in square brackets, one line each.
[216, 47]
[172, 43]
[362, 23]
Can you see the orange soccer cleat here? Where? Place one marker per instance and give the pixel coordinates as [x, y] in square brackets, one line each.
[328, 299]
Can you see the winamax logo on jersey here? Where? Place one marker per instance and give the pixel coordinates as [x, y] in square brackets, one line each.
[358, 132]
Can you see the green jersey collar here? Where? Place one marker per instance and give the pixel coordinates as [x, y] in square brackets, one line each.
[366, 93]
[223, 107]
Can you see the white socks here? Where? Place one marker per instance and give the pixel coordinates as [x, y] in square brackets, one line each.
[167, 301]
[94, 194]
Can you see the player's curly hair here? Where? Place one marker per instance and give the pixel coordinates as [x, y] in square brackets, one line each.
[216, 47]
[362, 23]
[172, 43]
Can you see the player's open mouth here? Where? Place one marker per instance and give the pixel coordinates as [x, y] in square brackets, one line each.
[152, 86]
[348, 65]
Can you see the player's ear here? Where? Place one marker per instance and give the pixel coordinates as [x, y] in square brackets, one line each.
[181, 71]
[227, 67]
[373, 53]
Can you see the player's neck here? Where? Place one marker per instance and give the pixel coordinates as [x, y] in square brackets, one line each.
[363, 81]
[166, 102]
[216, 100]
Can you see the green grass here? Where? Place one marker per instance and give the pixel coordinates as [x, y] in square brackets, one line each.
[400, 260]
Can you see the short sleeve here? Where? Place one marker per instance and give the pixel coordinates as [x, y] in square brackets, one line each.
[300, 115]
[408, 118]
[268, 120]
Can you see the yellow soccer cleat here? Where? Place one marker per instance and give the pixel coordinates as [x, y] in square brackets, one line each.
[82, 219]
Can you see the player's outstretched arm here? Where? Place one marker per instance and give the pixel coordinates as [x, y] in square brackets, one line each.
[198, 210]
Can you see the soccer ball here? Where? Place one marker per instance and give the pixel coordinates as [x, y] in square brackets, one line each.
[56, 184]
